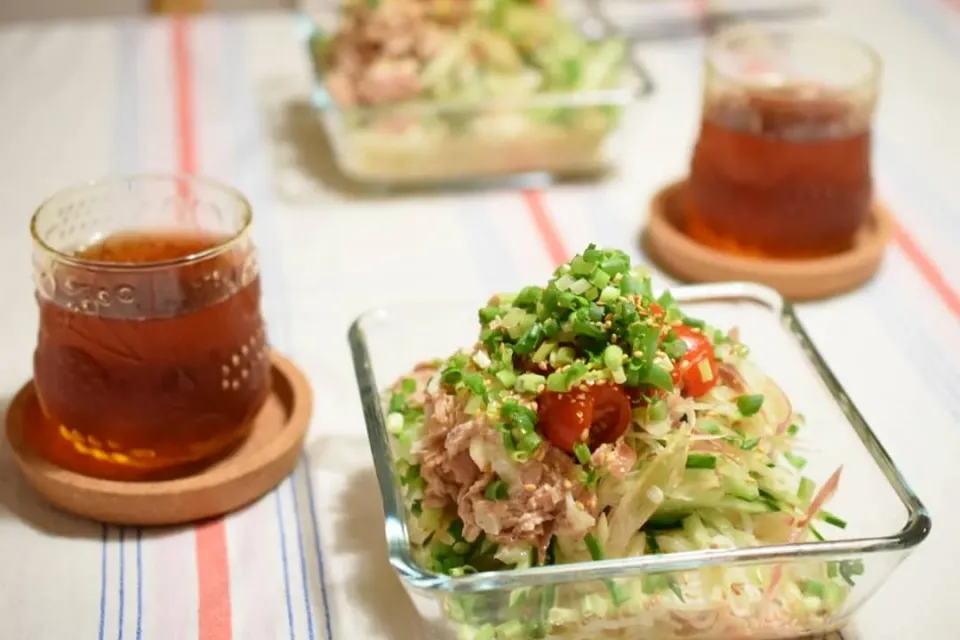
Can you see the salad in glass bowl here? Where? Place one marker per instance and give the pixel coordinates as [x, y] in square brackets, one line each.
[448, 90]
[598, 426]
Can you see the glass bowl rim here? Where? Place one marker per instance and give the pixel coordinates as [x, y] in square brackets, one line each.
[634, 85]
[721, 40]
[126, 181]
[914, 532]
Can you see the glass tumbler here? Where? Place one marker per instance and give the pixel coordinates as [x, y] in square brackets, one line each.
[782, 166]
[151, 356]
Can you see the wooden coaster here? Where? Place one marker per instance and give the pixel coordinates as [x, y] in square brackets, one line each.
[266, 457]
[808, 279]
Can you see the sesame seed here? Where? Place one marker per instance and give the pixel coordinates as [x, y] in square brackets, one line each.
[567, 484]
[580, 505]
[529, 488]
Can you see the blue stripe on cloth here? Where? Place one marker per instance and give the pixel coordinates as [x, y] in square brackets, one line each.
[103, 580]
[283, 559]
[120, 573]
[260, 191]
[304, 574]
[312, 503]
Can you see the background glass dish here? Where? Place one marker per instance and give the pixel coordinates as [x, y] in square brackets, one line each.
[438, 143]
[886, 520]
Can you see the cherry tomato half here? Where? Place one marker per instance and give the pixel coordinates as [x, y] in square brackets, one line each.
[596, 414]
[688, 373]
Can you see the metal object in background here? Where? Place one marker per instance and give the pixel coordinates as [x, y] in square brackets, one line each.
[652, 20]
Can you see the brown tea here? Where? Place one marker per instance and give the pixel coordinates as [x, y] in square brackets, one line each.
[783, 173]
[151, 352]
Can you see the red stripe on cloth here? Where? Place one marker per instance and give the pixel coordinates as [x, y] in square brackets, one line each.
[927, 268]
[215, 619]
[549, 236]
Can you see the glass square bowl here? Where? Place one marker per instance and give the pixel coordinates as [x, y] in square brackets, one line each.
[886, 519]
[463, 143]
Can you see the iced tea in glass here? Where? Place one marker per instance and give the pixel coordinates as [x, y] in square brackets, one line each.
[782, 165]
[152, 355]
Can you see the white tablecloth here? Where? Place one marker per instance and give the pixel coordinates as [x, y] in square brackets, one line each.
[80, 100]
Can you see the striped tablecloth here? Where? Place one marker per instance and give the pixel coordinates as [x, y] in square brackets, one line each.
[212, 95]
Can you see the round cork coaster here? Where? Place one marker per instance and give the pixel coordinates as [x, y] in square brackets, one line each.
[266, 457]
[801, 279]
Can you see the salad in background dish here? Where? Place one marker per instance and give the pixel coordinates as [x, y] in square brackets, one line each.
[467, 88]
[592, 420]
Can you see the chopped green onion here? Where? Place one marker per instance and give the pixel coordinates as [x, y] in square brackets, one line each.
[408, 386]
[832, 569]
[581, 267]
[666, 300]
[562, 356]
[701, 461]
[395, 423]
[657, 411]
[658, 377]
[529, 340]
[600, 279]
[850, 568]
[749, 405]
[793, 429]
[749, 443]
[543, 352]
[693, 322]
[592, 254]
[488, 314]
[616, 263]
[798, 462]
[613, 357]
[496, 490]
[709, 427]
[596, 553]
[474, 382]
[806, 489]
[506, 378]
[451, 376]
[833, 520]
[397, 403]
[582, 452]
[530, 383]
[529, 442]
[609, 294]
[812, 587]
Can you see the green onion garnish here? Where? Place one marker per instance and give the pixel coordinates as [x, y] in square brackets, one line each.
[701, 461]
[812, 587]
[694, 322]
[596, 553]
[749, 405]
[798, 462]
[658, 377]
[496, 490]
[582, 452]
[657, 411]
[833, 520]
[529, 442]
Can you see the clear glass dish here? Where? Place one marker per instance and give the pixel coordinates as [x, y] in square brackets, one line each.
[886, 519]
[429, 143]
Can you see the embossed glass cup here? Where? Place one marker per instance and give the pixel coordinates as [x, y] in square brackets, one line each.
[151, 356]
